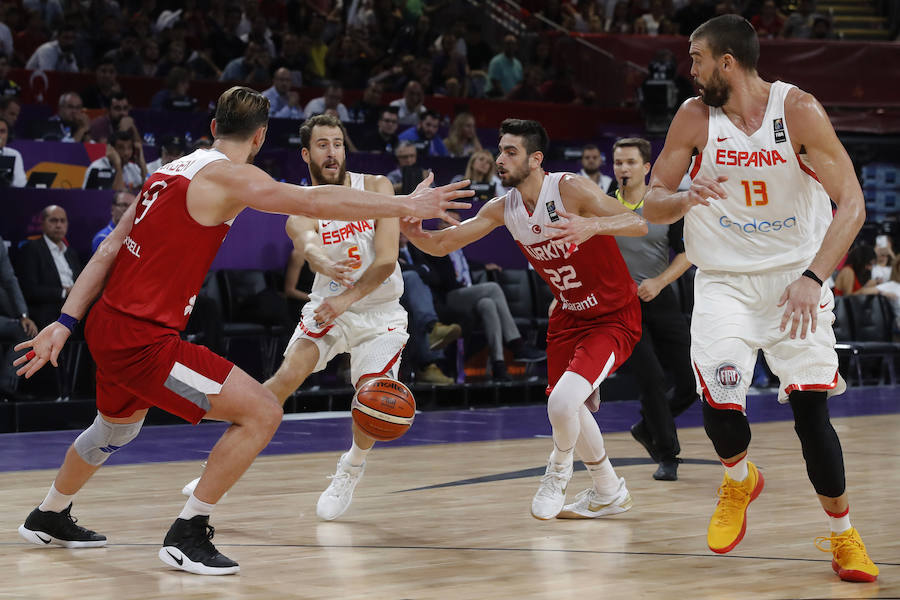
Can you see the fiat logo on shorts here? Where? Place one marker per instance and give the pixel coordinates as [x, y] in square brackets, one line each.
[536, 229]
[728, 375]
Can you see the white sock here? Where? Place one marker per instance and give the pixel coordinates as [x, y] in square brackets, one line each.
[737, 471]
[55, 501]
[356, 456]
[606, 482]
[194, 507]
[563, 458]
[840, 522]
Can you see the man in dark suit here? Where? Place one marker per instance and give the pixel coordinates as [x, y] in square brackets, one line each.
[48, 267]
[15, 326]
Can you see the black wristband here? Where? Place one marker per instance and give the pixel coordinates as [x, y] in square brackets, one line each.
[813, 276]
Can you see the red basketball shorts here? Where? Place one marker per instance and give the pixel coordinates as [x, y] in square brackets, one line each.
[141, 364]
[593, 348]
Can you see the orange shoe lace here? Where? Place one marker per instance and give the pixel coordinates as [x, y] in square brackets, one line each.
[841, 546]
[732, 500]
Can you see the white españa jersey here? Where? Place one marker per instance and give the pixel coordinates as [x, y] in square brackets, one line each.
[776, 212]
[354, 239]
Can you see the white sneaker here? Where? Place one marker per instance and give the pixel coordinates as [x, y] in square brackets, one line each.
[589, 505]
[335, 500]
[551, 495]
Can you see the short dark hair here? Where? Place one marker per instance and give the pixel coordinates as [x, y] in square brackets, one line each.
[730, 34]
[432, 114]
[5, 101]
[394, 110]
[122, 136]
[120, 95]
[319, 121]
[587, 147]
[532, 133]
[641, 144]
[240, 111]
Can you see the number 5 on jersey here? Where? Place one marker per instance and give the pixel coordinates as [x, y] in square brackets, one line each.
[563, 278]
[353, 252]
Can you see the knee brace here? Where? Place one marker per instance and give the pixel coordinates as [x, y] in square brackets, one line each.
[102, 438]
[728, 430]
[820, 443]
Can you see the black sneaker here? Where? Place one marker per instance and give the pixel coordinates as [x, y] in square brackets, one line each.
[499, 372]
[45, 528]
[188, 547]
[667, 471]
[642, 435]
[525, 353]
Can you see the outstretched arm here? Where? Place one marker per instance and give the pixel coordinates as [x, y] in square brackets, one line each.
[591, 212]
[50, 341]
[245, 185]
[445, 241]
[662, 204]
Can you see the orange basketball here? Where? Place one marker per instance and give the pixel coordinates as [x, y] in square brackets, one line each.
[383, 409]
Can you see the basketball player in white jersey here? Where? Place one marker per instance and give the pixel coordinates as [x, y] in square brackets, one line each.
[596, 318]
[758, 225]
[355, 299]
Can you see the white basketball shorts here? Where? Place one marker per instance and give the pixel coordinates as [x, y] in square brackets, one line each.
[374, 338]
[737, 314]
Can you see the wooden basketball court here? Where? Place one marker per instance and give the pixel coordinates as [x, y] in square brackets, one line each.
[452, 521]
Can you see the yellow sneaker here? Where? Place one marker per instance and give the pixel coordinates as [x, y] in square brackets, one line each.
[729, 520]
[850, 560]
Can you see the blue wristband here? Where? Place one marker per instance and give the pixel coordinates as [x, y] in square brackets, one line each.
[69, 321]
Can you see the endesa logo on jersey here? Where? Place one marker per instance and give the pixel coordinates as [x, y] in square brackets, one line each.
[757, 226]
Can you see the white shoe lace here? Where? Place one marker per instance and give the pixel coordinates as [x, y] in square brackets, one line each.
[552, 484]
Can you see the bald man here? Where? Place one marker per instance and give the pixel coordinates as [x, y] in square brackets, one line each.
[284, 103]
[48, 267]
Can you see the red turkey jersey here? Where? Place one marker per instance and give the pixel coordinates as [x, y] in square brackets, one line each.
[160, 268]
[588, 281]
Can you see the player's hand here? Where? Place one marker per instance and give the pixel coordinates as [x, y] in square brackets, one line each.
[341, 271]
[411, 227]
[650, 289]
[702, 189]
[575, 229]
[330, 309]
[801, 306]
[427, 202]
[45, 346]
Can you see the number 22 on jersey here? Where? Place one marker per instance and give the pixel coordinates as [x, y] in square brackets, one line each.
[563, 278]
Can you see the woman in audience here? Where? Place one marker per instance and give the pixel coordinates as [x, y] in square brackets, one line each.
[482, 172]
[856, 275]
[463, 138]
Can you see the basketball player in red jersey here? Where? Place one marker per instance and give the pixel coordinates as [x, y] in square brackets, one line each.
[150, 270]
[759, 227]
[595, 320]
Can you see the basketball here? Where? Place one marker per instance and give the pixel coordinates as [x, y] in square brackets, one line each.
[383, 409]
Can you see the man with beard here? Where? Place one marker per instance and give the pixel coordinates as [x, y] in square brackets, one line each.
[759, 227]
[564, 225]
[591, 161]
[355, 299]
[117, 118]
[150, 270]
[56, 55]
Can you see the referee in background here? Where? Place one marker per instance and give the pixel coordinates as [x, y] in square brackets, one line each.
[665, 340]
